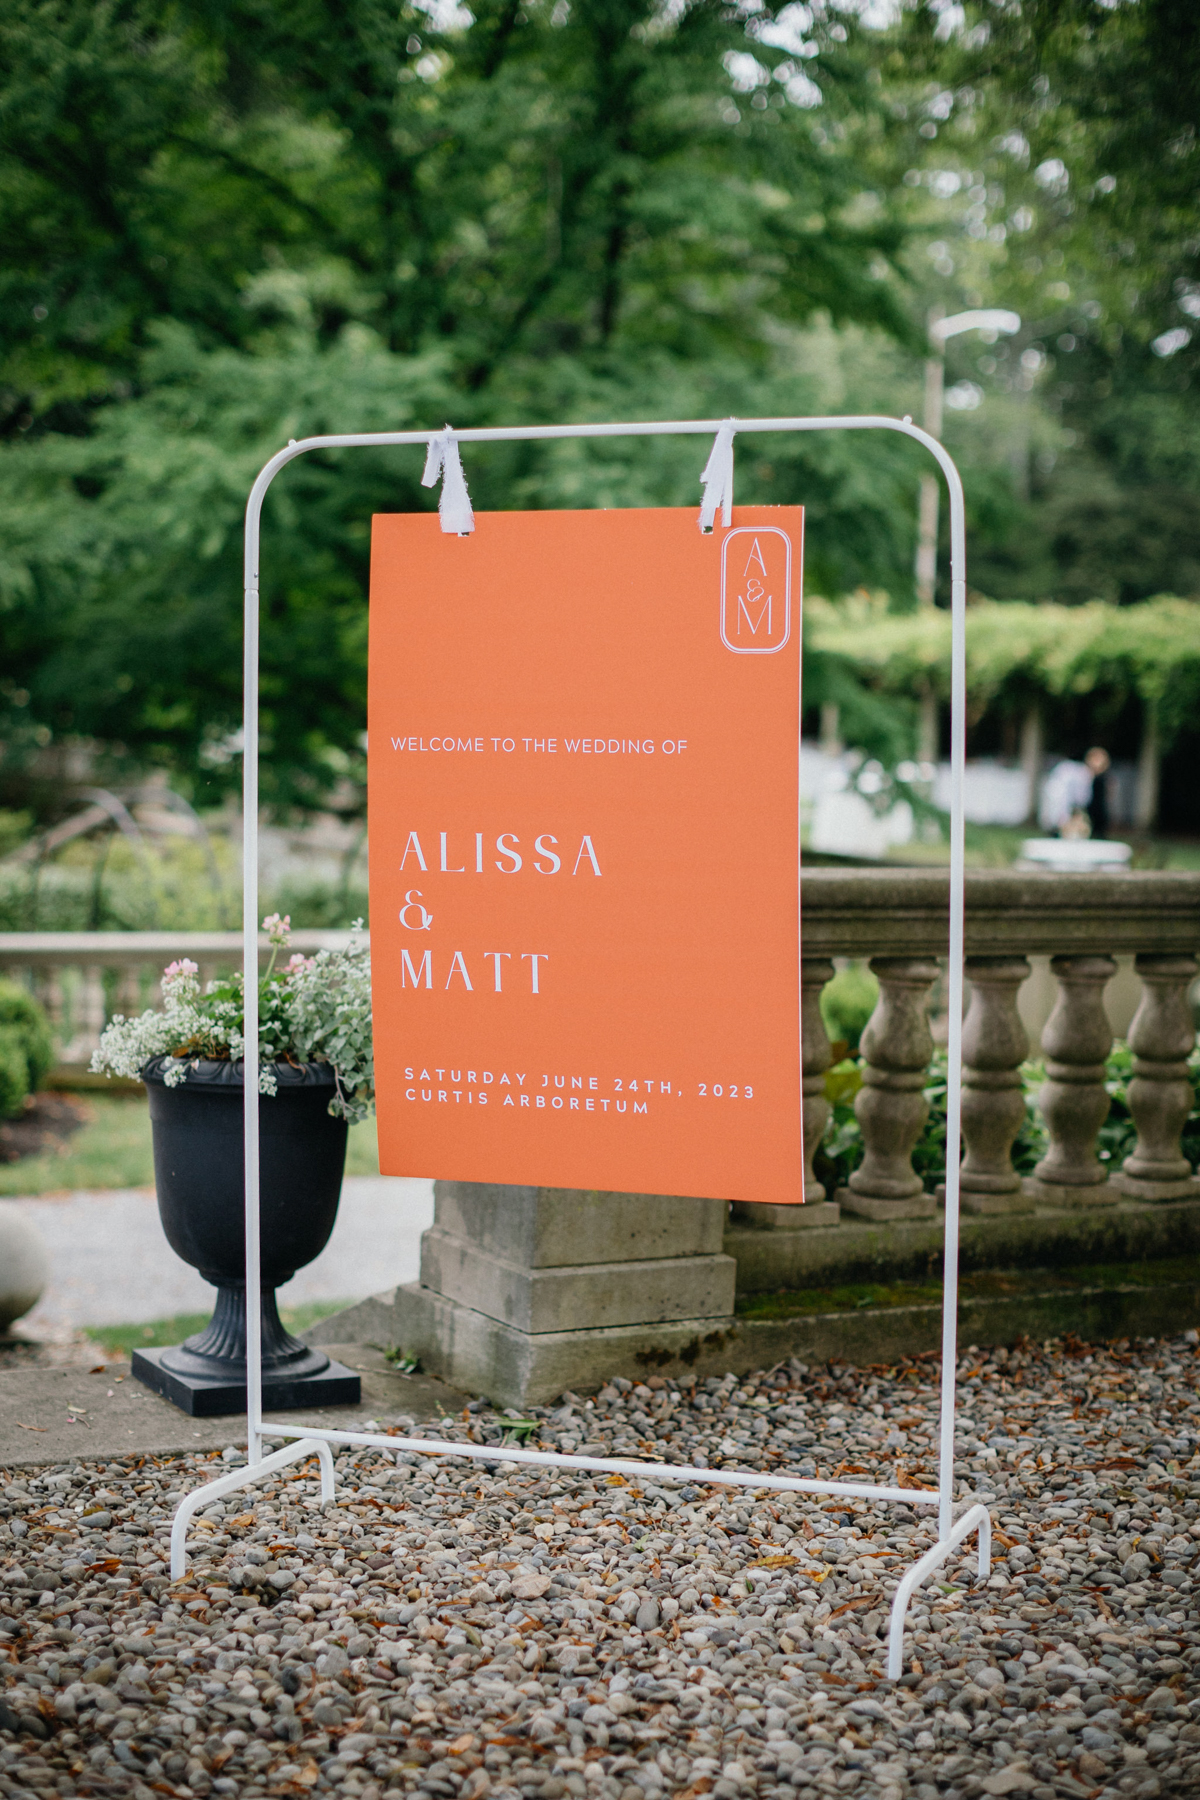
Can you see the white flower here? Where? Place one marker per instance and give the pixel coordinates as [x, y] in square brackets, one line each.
[316, 1009]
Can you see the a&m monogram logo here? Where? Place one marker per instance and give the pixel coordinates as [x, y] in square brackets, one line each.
[756, 590]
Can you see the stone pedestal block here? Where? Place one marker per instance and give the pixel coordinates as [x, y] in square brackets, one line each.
[527, 1291]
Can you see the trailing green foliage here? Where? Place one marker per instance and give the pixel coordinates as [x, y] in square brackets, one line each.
[1018, 653]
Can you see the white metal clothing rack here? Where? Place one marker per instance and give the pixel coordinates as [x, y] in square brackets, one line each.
[304, 1440]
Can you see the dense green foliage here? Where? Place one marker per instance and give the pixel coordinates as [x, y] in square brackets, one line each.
[1018, 653]
[26, 1047]
[1061, 166]
[231, 222]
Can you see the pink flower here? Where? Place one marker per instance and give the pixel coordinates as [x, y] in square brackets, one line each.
[184, 966]
[278, 929]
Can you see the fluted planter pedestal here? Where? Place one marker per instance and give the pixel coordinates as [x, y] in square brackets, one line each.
[199, 1177]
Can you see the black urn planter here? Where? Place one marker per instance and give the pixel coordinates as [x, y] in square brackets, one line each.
[199, 1175]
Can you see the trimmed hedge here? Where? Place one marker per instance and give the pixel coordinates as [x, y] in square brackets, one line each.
[26, 1047]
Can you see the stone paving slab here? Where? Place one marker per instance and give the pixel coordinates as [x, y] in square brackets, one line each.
[50, 1415]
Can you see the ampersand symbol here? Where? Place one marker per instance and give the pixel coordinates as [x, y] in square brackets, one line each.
[412, 904]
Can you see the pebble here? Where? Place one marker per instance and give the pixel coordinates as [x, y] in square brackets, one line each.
[445, 1630]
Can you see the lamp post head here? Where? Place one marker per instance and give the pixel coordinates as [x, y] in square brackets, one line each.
[992, 321]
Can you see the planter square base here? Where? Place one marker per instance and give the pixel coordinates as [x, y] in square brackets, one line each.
[206, 1398]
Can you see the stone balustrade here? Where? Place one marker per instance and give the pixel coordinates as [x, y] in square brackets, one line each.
[526, 1291]
[896, 920]
[1083, 923]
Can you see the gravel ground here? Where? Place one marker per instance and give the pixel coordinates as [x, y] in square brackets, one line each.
[443, 1630]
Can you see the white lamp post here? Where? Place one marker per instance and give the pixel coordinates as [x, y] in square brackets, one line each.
[991, 322]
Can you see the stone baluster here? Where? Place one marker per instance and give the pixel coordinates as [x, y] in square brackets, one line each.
[1073, 1100]
[89, 1012]
[127, 1000]
[890, 1106]
[816, 1055]
[994, 1045]
[48, 989]
[1160, 1094]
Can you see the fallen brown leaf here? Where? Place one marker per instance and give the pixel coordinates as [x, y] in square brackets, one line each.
[852, 1605]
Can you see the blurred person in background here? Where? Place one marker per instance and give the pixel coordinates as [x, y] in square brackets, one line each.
[1099, 762]
[1074, 798]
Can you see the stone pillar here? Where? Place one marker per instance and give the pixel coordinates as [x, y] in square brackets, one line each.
[527, 1291]
[128, 997]
[1031, 759]
[1074, 1102]
[831, 731]
[816, 1056]
[994, 1047]
[927, 727]
[890, 1106]
[1149, 770]
[1160, 1094]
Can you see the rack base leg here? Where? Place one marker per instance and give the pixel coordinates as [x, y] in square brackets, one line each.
[976, 1518]
[200, 1497]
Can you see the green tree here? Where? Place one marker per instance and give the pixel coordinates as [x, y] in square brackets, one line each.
[1054, 167]
[239, 221]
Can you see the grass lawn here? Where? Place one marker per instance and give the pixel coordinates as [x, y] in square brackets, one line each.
[113, 1150]
[173, 1331]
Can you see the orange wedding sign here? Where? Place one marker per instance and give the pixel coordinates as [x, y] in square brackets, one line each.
[583, 776]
